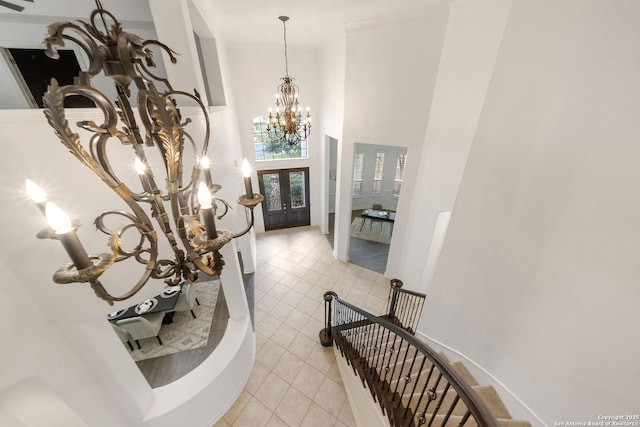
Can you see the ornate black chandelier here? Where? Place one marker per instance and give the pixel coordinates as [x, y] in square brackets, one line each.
[178, 210]
[288, 124]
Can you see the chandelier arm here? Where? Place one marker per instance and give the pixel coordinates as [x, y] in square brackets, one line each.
[150, 62]
[98, 147]
[249, 226]
[56, 38]
[116, 237]
[205, 139]
[100, 263]
[101, 292]
[249, 203]
[54, 111]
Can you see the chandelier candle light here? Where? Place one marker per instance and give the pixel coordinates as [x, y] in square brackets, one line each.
[288, 125]
[176, 209]
[246, 172]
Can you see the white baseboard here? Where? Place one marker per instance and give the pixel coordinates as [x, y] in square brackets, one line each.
[517, 408]
[366, 412]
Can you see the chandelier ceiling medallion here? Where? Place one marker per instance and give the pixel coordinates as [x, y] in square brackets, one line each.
[288, 124]
[183, 211]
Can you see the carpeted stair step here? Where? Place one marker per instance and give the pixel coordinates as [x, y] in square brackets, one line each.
[486, 393]
[464, 373]
[490, 397]
[454, 421]
[421, 377]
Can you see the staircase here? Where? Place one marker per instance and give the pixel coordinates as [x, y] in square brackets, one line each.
[413, 385]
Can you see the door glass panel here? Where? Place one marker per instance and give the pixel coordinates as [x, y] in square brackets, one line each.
[272, 191]
[296, 189]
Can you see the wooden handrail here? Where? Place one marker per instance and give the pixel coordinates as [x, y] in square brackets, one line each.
[364, 359]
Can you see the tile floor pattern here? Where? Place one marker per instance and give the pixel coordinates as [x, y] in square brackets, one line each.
[295, 381]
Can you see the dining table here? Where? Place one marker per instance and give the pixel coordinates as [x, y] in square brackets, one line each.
[377, 215]
[163, 302]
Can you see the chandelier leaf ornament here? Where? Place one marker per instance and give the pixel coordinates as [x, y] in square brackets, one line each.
[183, 212]
[288, 124]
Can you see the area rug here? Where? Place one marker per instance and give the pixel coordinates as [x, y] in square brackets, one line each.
[376, 231]
[185, 332]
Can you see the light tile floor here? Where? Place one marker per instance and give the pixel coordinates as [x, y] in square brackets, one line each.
[295, 380]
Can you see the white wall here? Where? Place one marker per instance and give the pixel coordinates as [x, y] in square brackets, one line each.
[34, 350]
[538, 277]
[473, 37]
[332, 61]
[391, 68]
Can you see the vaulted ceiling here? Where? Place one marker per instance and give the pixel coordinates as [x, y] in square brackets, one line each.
[244, 21]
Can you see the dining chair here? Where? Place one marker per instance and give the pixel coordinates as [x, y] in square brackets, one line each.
[187, 299]
[123, 334]
[141, 327]
[374, 207]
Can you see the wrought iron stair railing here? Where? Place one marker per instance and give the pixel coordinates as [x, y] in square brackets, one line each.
[413, 385]
[404, 306]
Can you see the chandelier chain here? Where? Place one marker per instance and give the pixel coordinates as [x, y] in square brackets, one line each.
[286, 60]
[101, 9]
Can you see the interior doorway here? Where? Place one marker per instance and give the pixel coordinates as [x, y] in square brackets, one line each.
[378, 173]
[286, 198]
[332, 181]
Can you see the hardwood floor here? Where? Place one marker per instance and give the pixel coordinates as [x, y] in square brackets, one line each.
[365, 253]
[368, 254]
[163, 370]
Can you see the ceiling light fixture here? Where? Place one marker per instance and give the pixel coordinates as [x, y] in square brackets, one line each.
[288, 124]
[174, 211]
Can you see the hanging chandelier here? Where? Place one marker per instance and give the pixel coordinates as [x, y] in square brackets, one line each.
[183, 212]
[288, 124]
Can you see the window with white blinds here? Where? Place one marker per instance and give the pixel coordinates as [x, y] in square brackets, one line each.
[358, 165]
[378, 169]
[399, 176]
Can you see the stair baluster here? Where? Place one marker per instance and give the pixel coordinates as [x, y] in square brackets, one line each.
[412, 384]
